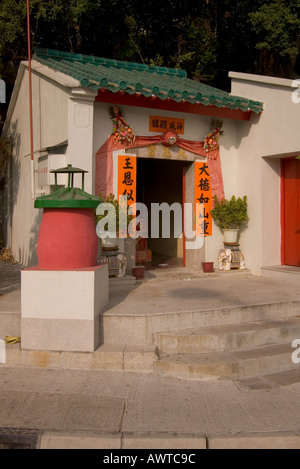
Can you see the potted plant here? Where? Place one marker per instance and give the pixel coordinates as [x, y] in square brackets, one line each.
[112, 220]
[230, 216]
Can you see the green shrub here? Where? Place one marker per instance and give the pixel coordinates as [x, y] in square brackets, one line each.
[230, 214]
[119, 209]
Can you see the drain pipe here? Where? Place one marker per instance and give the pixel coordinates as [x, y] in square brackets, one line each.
[30, 105]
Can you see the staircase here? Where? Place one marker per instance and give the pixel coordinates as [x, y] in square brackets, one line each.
[233, 344]
[183, 325]
[232, 351]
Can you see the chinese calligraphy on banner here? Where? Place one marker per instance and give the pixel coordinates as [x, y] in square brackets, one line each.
[203, 196]
[127, 177]
[161, 124]
[126, 186]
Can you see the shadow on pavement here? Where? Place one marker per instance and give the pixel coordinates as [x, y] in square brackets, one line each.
[10, 276]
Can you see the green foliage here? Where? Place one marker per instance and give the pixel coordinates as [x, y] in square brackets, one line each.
[119, 209]
[197, 48]
[230, 214]
[6, 148]
[206, 38]
[276, 25]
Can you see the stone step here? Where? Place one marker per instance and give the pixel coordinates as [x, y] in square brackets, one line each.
[286, 273]
[122, 357]
[229, 337]
[270, 381]
[259, 361]
[137, 327]
[120, 281]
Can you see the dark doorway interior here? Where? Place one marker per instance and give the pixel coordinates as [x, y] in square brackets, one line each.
[161, 181]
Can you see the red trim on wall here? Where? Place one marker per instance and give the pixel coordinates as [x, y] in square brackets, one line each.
[289, 244]
[183, 214]
[282, 214]
[169, 105]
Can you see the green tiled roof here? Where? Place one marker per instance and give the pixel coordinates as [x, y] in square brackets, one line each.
[115, 75]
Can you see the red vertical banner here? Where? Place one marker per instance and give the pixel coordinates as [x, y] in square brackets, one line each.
[126, 186]
[127, 177]
[203, 199]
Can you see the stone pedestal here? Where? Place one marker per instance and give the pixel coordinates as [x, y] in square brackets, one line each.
[60, 309]
[237, 257]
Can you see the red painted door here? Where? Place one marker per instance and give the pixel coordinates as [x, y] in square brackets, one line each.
[291, 211]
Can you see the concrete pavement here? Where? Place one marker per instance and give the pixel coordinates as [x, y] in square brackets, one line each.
[72, 408]
[75, 409]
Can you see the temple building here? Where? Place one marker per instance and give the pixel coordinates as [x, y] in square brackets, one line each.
[155, 135]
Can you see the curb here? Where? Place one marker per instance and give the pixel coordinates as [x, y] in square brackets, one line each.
[108, 357]
[167, 440]
[13, 438]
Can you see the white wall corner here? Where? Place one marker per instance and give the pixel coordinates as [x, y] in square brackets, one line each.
[80, 133]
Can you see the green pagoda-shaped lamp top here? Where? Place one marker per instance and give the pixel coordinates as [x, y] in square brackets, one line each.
[68, 197]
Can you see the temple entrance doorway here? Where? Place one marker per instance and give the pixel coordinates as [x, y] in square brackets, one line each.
[159, 181]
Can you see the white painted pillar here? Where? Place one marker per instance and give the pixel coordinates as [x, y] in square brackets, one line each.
[80, 135]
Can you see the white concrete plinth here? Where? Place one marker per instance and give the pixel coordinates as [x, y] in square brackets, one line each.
[60, 309]
[2, 351]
